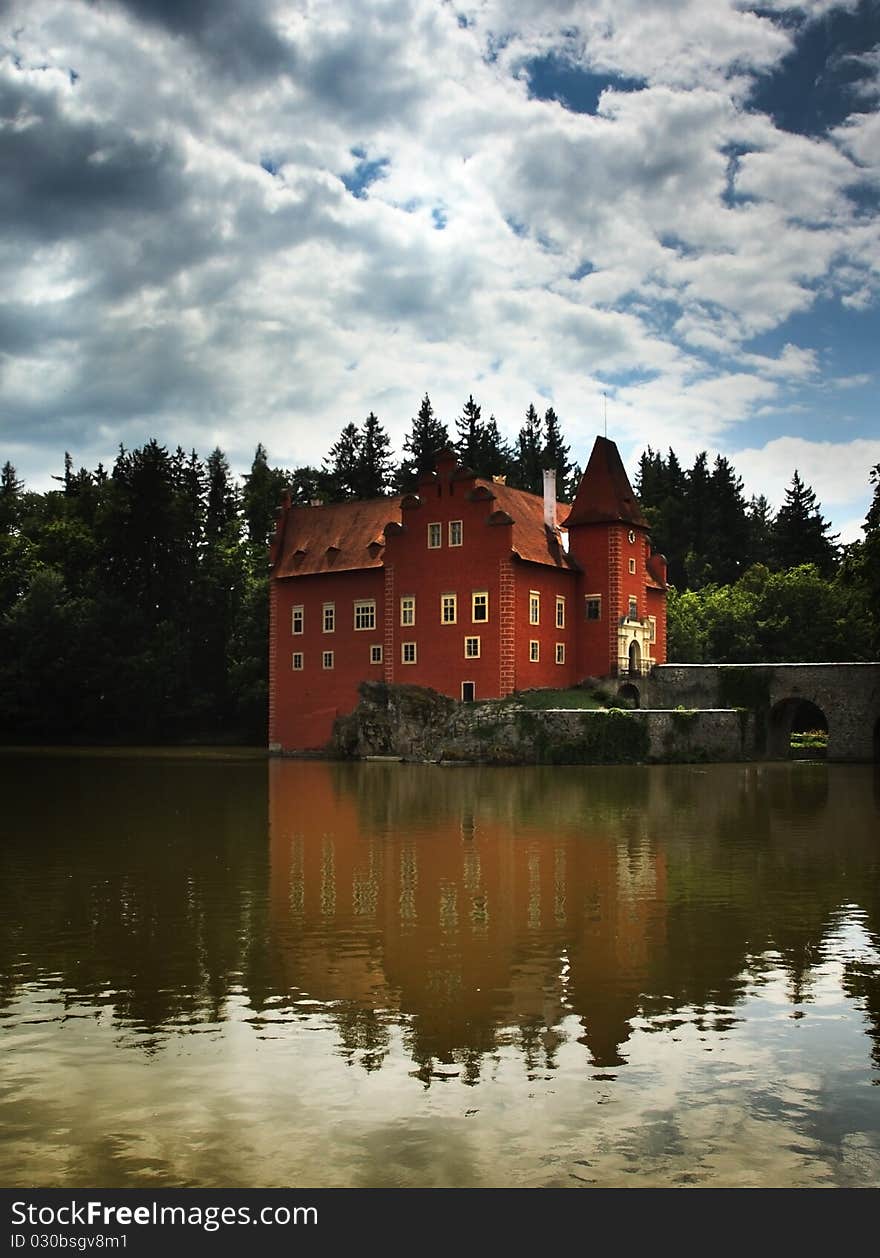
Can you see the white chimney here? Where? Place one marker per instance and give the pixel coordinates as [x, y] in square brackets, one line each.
[550, 498]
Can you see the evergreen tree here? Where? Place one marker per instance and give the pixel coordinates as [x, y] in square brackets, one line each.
[800, 534]
[555, 453]
[698, 494]
[342, 465]
[375, 475]
[760, 521]
[469, 429]
[427, 436]
[261, 496]
[310, 484]
[222, 500]
[527, 461]
[727, 532]
[493, 457]
[10, 497]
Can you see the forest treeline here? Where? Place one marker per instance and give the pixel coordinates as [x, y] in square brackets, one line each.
[133, 601]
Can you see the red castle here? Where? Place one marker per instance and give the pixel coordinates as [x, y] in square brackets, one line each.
[465, 586]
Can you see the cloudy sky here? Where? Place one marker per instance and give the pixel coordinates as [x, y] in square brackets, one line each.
[231, 221]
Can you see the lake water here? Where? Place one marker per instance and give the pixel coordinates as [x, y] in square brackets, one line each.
[217, 970]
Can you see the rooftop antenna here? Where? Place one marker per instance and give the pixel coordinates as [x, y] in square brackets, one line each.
[605, 406]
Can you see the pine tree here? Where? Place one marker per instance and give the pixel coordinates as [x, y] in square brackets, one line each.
[493, 457]
[342, 465]
[261, 496]
[698, 492]
[222, 501]
[10, 496]
[555, 453]
[469, 429]
[727, 532]
[427, 436]
[527, 458]
[800, 534]
[760, 521]
[375, 475]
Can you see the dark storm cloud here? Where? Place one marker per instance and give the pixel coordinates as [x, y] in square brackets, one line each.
[60, 177]
[239, 38]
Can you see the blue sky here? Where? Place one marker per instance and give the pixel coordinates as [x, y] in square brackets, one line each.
[234, 222]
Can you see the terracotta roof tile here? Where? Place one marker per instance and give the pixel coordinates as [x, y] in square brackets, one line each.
[605, 493]
[338, 537]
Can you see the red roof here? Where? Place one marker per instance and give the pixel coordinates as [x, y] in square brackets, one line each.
[605, 494]
[343, 536]
[338, 537]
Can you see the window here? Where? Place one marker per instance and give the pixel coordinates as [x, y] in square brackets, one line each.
[631, 537]
[408, 652]
[534, 651]
[472, 648]
[327, 659]
[408, 610]
[633, 613]
[435, 536]
[297, 619]
[560, 652]
[534, 607]
[468, 691]
[480, 606]
[448, 609]
[365, 613]
[376, 654]
[329, 617]
[297, 662]
[632, 567]
[593, 604]
[560, 612]
[455, 532]
[652, 628]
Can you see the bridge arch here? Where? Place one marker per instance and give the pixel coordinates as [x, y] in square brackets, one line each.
[630, 693]
[792, 715]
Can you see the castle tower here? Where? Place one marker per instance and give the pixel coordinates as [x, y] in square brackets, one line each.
[622, 585]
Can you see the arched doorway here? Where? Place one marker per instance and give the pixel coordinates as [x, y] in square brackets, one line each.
[797, 729]
[630, 694]
[635, 659]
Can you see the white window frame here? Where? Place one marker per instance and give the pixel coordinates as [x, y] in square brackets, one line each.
[364, 610]
[592, 598]
[632, 567]
[297, 667]
[408, 610]
[297, 613]
[327, 660]
[435, 535]
[560, 611]
[652, 623]
[472, 655]
[560, 652]
[534, 607]
[453, 619]
[328, 618]
[632, 609]
[534, 651]
[456, 526]
[376, 653]
[410, 647]
[475, 619]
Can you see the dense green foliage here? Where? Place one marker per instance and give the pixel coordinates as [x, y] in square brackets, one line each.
[133, 604]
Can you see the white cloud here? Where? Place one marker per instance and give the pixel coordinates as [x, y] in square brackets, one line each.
[836, 470]
[177, 288]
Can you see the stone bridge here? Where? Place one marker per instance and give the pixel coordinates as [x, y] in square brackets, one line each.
[846, 695]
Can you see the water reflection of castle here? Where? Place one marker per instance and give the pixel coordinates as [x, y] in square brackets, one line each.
[455, 901]
[480, 908]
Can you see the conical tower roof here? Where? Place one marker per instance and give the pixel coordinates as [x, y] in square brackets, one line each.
[605, 495]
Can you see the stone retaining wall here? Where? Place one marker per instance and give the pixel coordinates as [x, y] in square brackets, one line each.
[418, 724]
